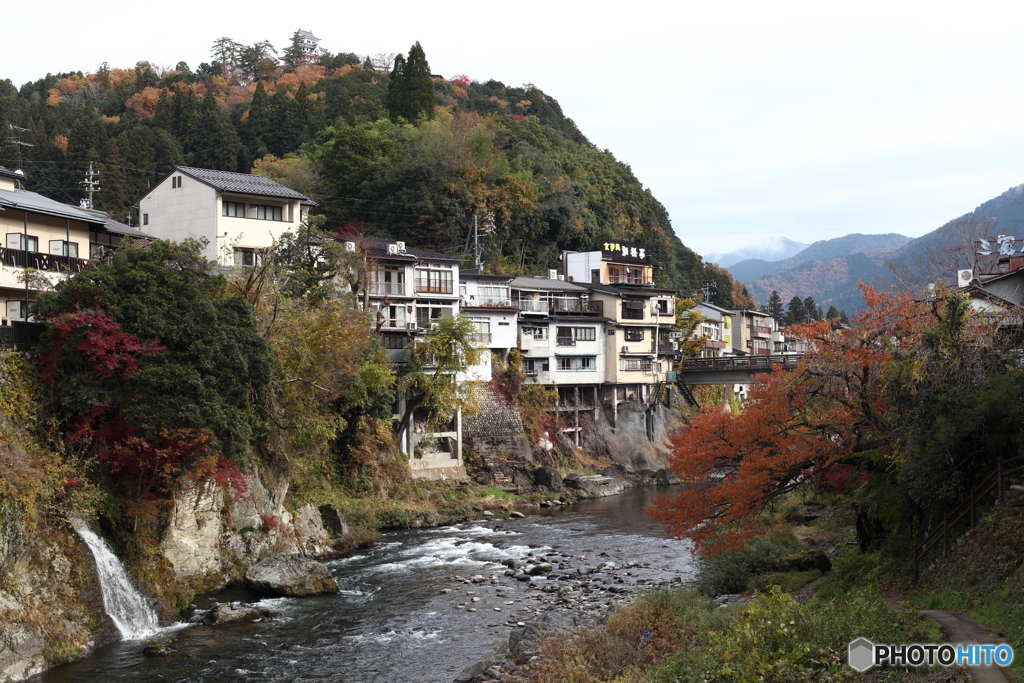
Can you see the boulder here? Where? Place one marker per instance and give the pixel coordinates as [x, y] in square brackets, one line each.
[428, 518]
[291, 576]
[515, 514]
[333, 520]
[227, 612]
[807, 560]
[548, 477]
[473, 672]
[572, 480]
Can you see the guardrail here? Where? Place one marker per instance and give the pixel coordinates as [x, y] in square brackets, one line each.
[738, 363]
[968, 509]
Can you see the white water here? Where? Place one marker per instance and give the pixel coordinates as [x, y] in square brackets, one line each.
[128, 608]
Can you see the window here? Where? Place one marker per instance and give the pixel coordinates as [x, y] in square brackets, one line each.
[389, 282]
[434, 281]
[248, 257]
[20, 309]
[633, 310]
[394, 341]
[175, 181]
[483, 330]
[664, 307]
[145, 219]
[637, 365]
[538, 333]
[266, 213]
[634, 335]
[576, 364]
[568, 336]
[491, 295]
[425, 314]
[234, 209]
[22, 242]
[63, 248]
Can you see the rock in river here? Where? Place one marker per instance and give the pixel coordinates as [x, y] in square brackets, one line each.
[291, 576]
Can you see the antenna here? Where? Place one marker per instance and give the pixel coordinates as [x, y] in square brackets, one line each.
[17, 143]
[708, 288]
[90, 186]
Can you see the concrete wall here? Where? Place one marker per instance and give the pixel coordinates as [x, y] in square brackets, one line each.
[177, 214]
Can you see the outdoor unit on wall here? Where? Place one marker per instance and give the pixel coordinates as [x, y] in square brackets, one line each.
[350, 246]
[552, 274]
[400, 246]
[392, 249]
[964, 277]
[410, 326]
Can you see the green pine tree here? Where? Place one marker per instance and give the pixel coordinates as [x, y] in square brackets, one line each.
[811, 309]
[257, 128]
[775, 307]
[397, 87]
[420, 86]
[213, 141]
[285, 124]
[293, 56]
[796, 313]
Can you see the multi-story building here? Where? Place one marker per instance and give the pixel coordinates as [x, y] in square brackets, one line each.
[409, 289]
[641, 317]
[754, 333]
[238, 214]
[712, 329]
[562, 339]
[53, 239]
[486, 300]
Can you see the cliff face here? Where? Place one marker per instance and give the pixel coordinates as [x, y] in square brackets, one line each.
[214, 534]
[50, 606]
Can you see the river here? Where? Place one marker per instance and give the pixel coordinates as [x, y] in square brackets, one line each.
[393, 620]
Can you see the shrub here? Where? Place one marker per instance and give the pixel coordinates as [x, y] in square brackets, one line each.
[732, 570]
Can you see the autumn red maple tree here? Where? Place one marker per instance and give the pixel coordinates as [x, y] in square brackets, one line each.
[796, 427]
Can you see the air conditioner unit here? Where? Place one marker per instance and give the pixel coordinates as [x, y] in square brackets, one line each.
[350, 246]
[552, 274]
[675, 335]
[410, 326]
[964, 277]
[401, 247]
[392, 249]
[625, 349]
[562, 278]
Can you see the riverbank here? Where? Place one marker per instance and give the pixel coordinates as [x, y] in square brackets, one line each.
[398, 617]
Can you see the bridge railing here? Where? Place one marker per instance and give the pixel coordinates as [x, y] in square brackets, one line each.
[739, 363]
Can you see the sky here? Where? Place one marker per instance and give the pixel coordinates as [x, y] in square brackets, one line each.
[807, 120]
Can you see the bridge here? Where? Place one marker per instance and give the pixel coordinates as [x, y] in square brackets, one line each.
[732, 369]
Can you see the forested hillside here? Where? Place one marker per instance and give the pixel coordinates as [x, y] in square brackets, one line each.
[385, 150]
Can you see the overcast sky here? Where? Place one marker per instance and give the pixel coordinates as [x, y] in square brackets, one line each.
[808, 120]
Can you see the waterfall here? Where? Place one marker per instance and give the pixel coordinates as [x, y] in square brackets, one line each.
[122, 600]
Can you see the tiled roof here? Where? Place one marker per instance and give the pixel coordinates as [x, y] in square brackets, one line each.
[37, 203]
[10, 174]
[546, 284]
[242, 183]
[378, 247]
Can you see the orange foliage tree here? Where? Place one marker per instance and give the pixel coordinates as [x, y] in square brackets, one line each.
[796, 427]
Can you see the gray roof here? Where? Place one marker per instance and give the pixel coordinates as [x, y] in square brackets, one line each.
[242, 183]
[10, 174]
[37, 203]
[117, 227]
[545, 284]
[306, 34]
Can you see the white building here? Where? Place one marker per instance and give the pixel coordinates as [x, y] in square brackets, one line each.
[486, 301]
[238, 214]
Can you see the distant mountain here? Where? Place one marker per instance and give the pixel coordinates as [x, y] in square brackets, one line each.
[827, 270]
[766, 249]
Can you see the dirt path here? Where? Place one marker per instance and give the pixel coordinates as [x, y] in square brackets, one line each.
[960, 629]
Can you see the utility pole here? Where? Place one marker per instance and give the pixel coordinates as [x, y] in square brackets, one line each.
[488, 229]
[90, 186]
[708, 288]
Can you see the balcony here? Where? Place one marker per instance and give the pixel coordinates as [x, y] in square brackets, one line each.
[478, 301]
[481, 337]
[758, 331]
[762, 352]
[565, 341]
[713, 344]
[577, 306]
[17, 258]
[666, 350]
[388, 289]
[531, 306]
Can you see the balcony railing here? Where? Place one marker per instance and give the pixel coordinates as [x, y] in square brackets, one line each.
[759, 331]
[577, 306]
[389, 289]
[18, 258]
[482, 337]
[565, 341]
[531, 306]
[479, 301]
